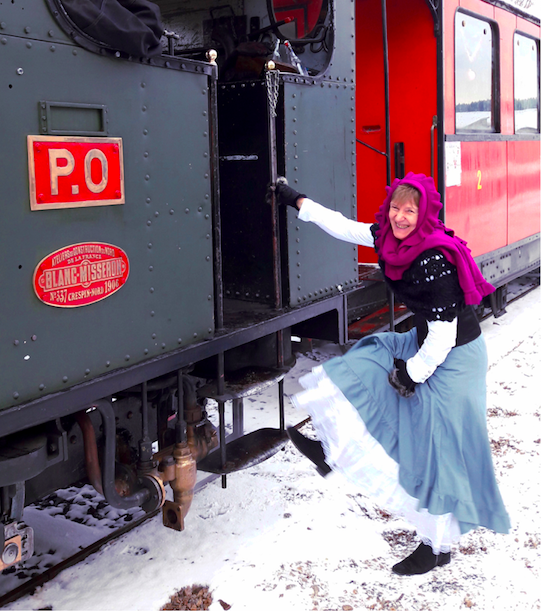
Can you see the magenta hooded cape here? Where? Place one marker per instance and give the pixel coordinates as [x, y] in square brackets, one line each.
[429, 233]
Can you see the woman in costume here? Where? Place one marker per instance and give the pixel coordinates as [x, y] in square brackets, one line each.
[403, 415]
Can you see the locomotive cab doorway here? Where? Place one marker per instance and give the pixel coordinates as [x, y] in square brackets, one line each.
[251, 152]
[404, 128]
[246, 217]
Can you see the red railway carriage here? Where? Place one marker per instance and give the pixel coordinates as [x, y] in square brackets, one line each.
[451, 89]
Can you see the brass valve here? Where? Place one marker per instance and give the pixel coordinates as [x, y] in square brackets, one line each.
[183, 484]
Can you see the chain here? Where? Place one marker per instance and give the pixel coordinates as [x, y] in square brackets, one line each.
[272, 78]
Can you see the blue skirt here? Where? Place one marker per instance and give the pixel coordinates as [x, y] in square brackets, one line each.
[428, 457]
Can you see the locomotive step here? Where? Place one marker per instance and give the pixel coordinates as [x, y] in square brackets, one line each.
[244, 383]
[246, 451]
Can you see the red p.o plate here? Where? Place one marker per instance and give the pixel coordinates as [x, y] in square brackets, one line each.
[80, 274]
[73, 172]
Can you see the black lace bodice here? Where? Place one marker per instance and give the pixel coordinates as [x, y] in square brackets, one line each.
[429, 287]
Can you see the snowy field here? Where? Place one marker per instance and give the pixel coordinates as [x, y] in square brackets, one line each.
[280, 537]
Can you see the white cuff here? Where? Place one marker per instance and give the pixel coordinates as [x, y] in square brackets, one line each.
[441, 339]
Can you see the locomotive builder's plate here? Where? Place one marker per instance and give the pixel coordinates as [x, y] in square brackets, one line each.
[80, 274]
[74, 172]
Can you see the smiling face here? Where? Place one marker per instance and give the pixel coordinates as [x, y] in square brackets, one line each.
[403, 216]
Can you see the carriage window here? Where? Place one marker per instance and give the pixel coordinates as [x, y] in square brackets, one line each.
[475, 77]
[526, 67]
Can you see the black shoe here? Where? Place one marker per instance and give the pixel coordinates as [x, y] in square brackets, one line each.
[421, 561]
[312, 449]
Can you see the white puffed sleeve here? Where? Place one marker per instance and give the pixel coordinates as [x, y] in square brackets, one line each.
[438, 343]
[336, 224]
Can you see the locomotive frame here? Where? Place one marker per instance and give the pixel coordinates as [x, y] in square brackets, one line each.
[215, 281]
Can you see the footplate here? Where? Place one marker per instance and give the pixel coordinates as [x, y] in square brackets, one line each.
[246, 451]
[244, 383]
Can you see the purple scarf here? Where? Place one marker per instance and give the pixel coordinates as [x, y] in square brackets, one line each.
[429, 233]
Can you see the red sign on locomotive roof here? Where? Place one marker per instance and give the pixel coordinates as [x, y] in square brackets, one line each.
[81, 274]
[73, 172]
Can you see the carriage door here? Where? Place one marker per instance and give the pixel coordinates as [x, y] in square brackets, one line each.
[412, 107]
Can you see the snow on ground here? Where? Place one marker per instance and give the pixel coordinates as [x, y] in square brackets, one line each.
[280, 537]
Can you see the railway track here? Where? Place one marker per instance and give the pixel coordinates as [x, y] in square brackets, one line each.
[517, 290]
[39, 580]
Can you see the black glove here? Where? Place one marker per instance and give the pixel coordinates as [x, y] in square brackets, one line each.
[400, 380]
[285, 195]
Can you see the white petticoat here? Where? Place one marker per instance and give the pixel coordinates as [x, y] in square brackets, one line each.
[352, 451]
